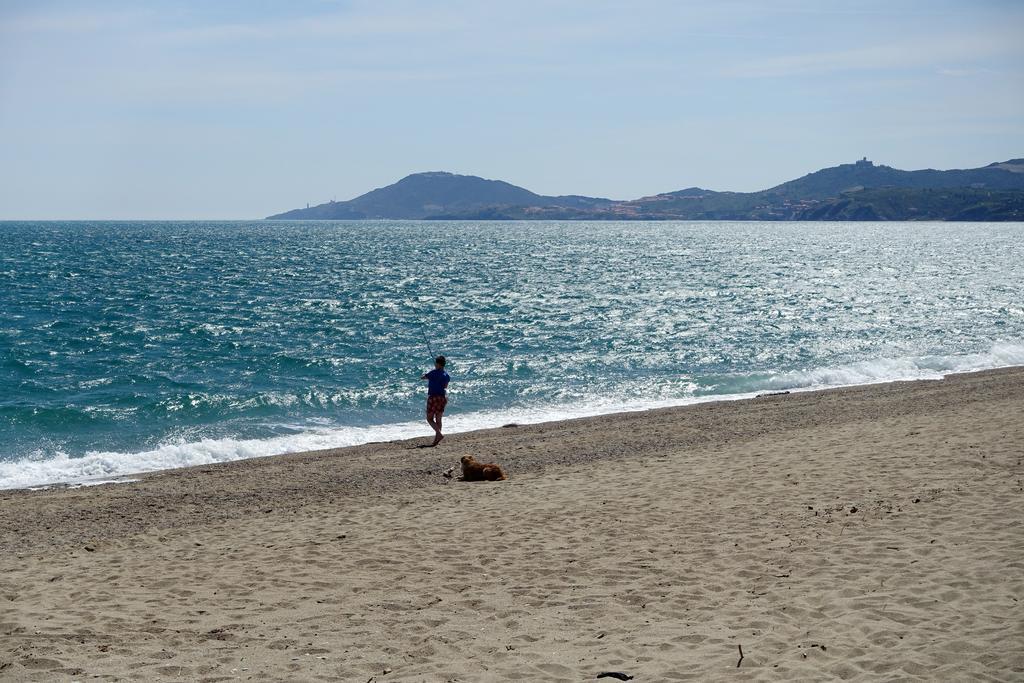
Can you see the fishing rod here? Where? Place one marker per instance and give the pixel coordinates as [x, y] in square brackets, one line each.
[430, 348]
[427, 341]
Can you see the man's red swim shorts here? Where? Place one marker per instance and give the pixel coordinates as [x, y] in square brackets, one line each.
[436, 404]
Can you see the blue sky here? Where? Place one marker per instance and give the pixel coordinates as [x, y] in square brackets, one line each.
[241, 109]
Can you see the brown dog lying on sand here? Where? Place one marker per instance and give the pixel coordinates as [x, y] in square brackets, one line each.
[478, 471]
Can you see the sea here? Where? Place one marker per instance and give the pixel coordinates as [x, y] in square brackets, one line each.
[128, 347]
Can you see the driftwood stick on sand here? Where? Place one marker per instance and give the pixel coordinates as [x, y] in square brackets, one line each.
[741, 656]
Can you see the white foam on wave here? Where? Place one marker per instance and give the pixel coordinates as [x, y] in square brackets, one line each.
[103, 467]
[97, 466]
[1001, 355]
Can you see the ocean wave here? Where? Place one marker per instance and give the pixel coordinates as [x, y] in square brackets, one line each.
[1001, 354]
[101, 467]
[58, 467]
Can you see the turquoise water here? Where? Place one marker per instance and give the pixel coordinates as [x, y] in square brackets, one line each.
[127, 347]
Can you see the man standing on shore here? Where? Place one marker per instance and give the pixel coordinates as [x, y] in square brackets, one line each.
[437, 399]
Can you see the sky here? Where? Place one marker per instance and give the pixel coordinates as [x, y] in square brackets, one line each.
[242, 108]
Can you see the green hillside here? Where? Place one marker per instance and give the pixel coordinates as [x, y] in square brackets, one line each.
[857, 191]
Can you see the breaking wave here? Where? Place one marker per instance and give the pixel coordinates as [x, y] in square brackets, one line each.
[42, 469]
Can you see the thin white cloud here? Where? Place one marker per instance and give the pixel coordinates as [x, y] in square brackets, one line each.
[521, 28]
[340, 25]
[362, 20]
[932, 53]
[71, 21]
[963, 73]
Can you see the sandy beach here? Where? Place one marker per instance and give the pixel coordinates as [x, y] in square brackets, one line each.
[868, 533]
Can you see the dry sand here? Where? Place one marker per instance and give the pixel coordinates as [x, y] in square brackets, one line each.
[872, 533]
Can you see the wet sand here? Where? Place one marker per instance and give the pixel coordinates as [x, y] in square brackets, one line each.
[869, 533]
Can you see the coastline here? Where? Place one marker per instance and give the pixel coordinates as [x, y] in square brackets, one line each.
[674, 534]
[101, 467]
[210, 379]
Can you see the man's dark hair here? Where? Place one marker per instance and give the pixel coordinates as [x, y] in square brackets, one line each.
[440, 360]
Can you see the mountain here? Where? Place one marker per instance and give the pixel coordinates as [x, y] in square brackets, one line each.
[907, 204]
[831, 192]
[857, 191]
[422, 195]
[830, 182]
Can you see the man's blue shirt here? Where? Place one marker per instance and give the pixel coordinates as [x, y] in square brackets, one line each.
[437, 381]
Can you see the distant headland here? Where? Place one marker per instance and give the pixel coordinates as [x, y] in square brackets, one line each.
[861, 191]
